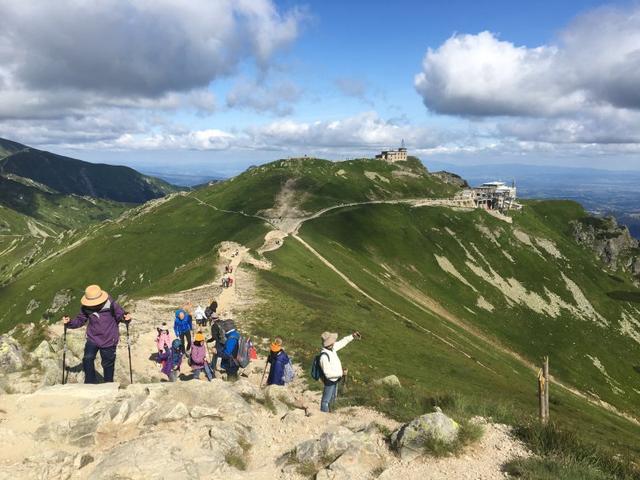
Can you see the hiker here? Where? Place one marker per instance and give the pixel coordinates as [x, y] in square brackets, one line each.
[182, 326]
[278, 359]
[171, 360]
[217, 336]
[198, 354]
[211, 309]
[201, 318]
[103, 315]
[331, 366]
[229, 350]
[163, 340]
[230, 282]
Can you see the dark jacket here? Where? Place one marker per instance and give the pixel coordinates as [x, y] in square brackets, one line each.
[276, 373]
[103, 328]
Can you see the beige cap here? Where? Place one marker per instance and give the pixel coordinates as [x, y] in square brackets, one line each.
[329, 338]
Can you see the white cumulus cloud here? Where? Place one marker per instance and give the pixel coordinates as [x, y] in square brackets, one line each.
[583, 88]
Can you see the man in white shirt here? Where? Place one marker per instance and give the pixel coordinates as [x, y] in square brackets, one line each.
[331, 366]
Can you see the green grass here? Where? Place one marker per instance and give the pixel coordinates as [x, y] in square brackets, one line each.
[566, 451]
[321, 183]
[173, 247]
[552, 468]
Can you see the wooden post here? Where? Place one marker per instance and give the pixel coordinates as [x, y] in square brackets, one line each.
[541, 405]
[546, 389]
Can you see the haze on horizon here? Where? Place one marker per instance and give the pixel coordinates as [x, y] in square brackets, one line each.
[215, 86]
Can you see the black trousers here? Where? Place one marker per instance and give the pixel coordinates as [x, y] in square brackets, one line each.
[108, 358]
[185, 338]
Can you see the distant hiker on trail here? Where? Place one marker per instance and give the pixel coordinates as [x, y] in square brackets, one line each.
[103, 315]
[281, 370]
[331, 366]
[229, 350]
[225, 280]
[201, 318]
[171, 359]
[198, 355]
[182, 326]
[163, 340]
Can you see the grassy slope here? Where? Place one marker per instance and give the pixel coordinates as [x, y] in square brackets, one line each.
[321, 183]
[167, 248]
[304, 298]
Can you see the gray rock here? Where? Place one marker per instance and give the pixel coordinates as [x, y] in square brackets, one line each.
[280, 397]
[178, 412]
[343, 454]
[410, 439]
[82, 460]
[390, 380]
[201, 412]
[12, 356]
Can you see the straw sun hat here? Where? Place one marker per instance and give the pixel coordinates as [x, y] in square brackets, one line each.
[93, 296]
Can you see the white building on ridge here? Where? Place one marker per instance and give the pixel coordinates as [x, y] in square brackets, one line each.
[494, 196]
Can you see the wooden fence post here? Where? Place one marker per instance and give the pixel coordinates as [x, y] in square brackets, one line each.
[546, 389]
[541, 389]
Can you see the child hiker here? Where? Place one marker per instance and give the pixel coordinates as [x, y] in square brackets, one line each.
[198, 355]
[163, 340]
[171, 360]
[278, 359]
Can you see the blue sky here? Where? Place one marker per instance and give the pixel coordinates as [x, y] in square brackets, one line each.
[221, 84]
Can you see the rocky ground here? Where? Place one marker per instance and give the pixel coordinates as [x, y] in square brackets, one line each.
[152, 429]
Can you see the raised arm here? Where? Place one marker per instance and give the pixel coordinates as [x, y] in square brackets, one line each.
[343, 342]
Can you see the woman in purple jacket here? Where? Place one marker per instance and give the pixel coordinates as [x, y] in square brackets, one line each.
[103, 315]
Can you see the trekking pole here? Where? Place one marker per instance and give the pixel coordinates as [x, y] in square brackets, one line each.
[129, 348]
[264, 373]
[64, 353]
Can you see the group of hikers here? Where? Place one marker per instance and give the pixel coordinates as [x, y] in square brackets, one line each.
[102, 315]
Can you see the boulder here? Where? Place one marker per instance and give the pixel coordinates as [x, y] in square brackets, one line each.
[147, 457]
[202, 412]
[342, 454]
[178, 412]
[12, 356]
[247, 389]
[82, 460]
[280, 398]
[390, 380]
[410, 439]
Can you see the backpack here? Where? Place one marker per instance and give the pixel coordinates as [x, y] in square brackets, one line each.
[288, 374]
[316, 368]
[197, 356]
[243, 357]
[217, 332]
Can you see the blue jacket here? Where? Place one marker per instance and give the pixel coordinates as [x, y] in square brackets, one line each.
[181, 326]
[230, 351]
[276, 372]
